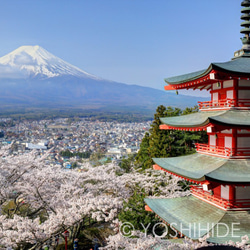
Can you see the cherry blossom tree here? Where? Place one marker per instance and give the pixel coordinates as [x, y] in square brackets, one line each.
[141, 242]
[39, 201]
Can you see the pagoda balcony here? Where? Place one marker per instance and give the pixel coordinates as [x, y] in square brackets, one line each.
[238, 204]
[213, 150]
[224, 103]
[223, 151]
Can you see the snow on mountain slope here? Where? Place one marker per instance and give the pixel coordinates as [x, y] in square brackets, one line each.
[32, 61]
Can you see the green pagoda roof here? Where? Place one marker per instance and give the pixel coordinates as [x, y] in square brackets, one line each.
[200, 167]
[229, 117]
[195, 218]
[239, 65]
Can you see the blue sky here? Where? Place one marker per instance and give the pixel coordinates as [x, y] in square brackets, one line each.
[131, 41]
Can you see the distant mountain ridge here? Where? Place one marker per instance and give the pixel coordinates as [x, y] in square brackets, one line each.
[30, 76]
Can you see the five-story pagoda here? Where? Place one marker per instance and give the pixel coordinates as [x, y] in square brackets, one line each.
[220, 203]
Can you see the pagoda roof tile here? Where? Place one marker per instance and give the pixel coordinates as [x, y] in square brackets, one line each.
[229, 117]
[239, 65]
[232, 171]
[183, 212]
[199, 167]
[196, 218]
[194, 166]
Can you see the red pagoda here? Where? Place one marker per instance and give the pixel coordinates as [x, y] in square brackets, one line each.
[219, 204]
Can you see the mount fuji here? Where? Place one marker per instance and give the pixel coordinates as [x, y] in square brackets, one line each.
[31, 77]
[31, 61]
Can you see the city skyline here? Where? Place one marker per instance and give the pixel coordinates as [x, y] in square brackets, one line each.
[133, 42]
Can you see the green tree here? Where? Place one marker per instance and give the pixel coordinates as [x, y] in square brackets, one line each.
[161, 140]
[66, 153]
[187, 110]
[127, 163]
[74, 165]
[160, 143]
[134, 212]
[157, 143]
[143, 157]
[1, 134]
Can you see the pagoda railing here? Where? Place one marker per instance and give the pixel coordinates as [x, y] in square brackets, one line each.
[218, 201]
[222, 151]
[210, 149]
[223, 103]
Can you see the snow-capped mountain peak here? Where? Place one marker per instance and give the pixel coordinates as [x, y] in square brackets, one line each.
[34, 60]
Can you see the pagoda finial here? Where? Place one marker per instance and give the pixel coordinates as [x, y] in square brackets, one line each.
[246, 23]
[245, 17]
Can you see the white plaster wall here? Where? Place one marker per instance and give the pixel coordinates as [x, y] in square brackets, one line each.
[230, 94]
[242, 192]
[244, 83]
[228, 84]
[215, 96]
[212, 140]
[225, 192]
[243, 142]
[244, 94]
[228, 142]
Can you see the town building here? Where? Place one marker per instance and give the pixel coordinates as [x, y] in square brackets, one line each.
[219, 204]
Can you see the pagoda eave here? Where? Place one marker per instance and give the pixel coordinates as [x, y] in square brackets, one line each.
[202, 180]
[200, 83]
[173, 212]
[200, 128]
[200, 167]
[195, 219]
[213, 124]
[203, 79]
[195, 181]
[225, 182]
[222, 119]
